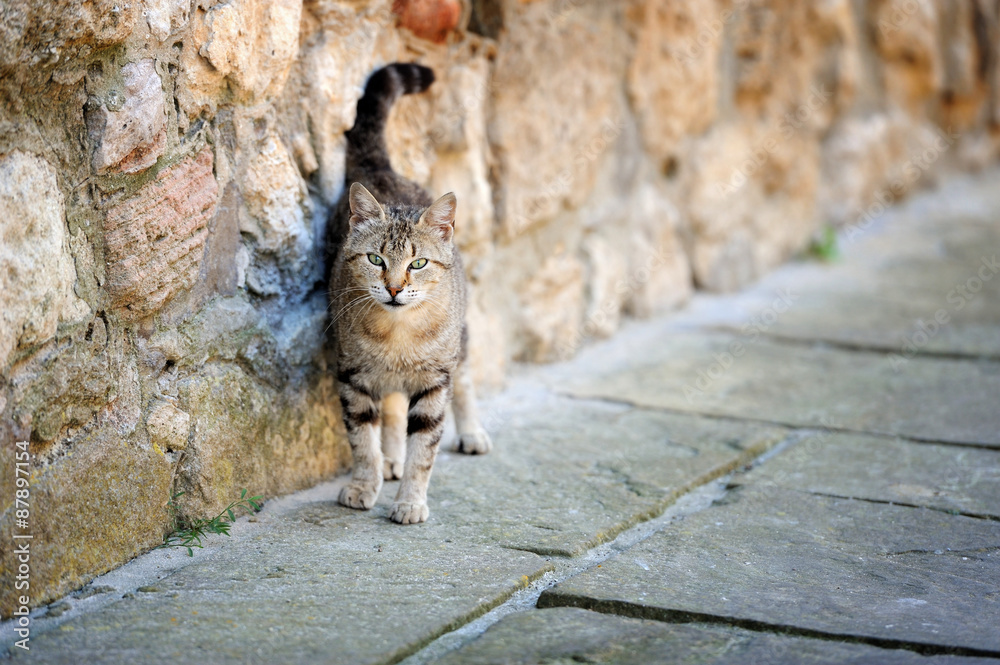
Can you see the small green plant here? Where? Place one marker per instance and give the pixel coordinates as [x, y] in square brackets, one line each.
[188, 533]
[824, 246]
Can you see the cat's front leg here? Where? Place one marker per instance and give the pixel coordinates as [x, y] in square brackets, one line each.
[363, 419]
[424, 427]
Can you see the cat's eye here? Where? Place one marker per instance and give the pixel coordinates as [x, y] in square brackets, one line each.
[418, 264]
[376, 259]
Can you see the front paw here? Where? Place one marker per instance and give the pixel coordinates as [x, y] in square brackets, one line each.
[392, 469]
[474, 443]
[409, 513]
[359, 496]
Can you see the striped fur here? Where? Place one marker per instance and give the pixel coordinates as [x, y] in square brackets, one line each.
[397, 293]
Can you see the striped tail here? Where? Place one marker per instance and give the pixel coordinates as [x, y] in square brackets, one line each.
[366, 147]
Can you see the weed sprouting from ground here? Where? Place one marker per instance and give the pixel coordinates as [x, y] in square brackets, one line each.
[188, 533]
[824, 245]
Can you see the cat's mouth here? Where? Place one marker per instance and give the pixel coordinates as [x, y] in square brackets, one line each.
[393, 303]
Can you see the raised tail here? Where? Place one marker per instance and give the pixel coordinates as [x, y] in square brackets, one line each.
[366, 147]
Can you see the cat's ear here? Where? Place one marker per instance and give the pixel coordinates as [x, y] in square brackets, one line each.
[440, 216]
[364, 207]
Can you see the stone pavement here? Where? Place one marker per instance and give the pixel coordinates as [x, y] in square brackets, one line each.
[805, 472]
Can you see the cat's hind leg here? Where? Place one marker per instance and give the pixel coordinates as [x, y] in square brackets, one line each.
[472, 437]
[394, 407]
[362, 418]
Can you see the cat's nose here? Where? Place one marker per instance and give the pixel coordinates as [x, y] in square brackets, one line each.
[393, 291]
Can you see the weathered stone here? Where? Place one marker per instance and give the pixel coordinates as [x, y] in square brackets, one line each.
[133, 134]
[247, 44]
[164, 16]
[906, 36]
[570, 635]
[458, 135]
[834, 567]
[349, 40]
[893, 154]
[249, 435]
[112, 494]
[587, 142]
[278, 206]
[556, 107]
[730, 186]
[154, 241]
[673, 77]
[553, 308]
[37, 275]
[39, 32]
[220, 270]
[314, 581]
[955, 479]
[168, 427]
[747, 376]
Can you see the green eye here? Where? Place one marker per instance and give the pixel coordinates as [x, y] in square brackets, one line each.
[376, 259]
[418, 264]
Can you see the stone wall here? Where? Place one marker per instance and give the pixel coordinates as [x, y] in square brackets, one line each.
[166, 167]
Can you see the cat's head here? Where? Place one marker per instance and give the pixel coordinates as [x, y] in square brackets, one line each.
[399, 255]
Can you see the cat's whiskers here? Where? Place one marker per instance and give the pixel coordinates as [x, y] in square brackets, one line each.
[343, 310]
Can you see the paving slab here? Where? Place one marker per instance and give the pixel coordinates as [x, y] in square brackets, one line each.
[323, 584]
[570, 635]
[775, 559]
[568, 474]
[802, 385]
[321, 579]
[957, 479]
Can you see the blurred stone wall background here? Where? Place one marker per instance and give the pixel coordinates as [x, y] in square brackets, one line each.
[166, 167]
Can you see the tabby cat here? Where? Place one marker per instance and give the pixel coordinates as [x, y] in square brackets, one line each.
[398, 298]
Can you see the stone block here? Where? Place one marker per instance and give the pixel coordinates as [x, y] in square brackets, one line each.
[37, 275]
[99, 506]
[673, 79]
[154, 240]
[247, 45]
[168, 426]
[557, 108]
[131, 134]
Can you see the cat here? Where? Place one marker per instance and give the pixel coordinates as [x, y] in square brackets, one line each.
[398, 298]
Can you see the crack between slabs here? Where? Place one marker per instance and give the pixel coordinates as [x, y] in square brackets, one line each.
[861, 347]
[978, 550]
[886, 502]
[631, 610]
[692, 498]
[565, 567]
[795, 427]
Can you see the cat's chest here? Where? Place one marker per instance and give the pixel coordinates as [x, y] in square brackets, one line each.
[407, 346]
